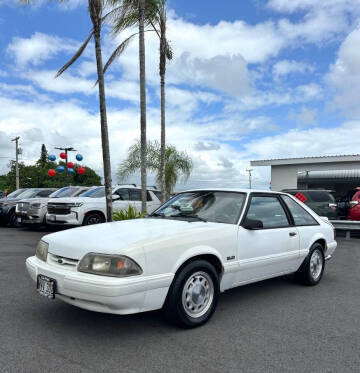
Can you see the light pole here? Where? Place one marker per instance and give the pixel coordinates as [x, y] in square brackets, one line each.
[66, 150]
[249, 170]
[16, 139]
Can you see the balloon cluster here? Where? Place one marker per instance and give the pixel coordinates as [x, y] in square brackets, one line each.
[70, 165]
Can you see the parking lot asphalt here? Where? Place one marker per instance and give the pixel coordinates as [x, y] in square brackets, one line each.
[271, 326]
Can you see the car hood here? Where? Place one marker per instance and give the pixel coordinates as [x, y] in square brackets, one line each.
[72, 199]
[123, 236]
[34, 200]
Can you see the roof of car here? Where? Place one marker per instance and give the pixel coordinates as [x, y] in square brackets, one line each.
[242, 190]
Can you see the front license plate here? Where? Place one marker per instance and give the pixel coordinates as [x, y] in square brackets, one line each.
[52, 218]
[46, 286]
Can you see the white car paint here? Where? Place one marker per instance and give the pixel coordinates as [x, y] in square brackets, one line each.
[77, 214]
[161, 246]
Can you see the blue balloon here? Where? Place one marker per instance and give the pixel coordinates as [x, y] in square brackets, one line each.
[52, 158]
[70, 170]
[60, 169]
[79, 157]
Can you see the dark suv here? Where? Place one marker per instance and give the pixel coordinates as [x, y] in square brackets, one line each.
[321, 201]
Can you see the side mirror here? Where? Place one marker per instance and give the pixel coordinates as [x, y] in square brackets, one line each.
[253, 224]
[115, 197]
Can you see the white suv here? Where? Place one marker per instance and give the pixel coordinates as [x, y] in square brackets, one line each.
[90, 207]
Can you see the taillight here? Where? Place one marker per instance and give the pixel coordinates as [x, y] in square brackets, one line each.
[353, 204]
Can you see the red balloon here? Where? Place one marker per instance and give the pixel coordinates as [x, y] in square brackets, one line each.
[81, 170]
[51, 172]
[63, 155]
[70, 165]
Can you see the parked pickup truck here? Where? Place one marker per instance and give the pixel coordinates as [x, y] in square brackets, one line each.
[33, 211]
[90, 207]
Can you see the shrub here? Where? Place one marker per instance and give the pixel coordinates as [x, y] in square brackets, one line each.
[128, 214]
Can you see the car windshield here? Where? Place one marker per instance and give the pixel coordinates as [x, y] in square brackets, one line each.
[64, 192]
[16, 193]
[212, 206]
[94, 193]
[29, 193]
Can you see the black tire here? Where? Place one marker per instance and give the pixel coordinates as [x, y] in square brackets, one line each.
[12, 222]
[174, 309]
[93, 218]
[307, 273]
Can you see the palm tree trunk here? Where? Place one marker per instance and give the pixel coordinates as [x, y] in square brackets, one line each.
[104, 126]
[163, 139]
[142, 104]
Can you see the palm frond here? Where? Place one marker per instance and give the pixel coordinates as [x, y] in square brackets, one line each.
[76, 55]
[118, 51]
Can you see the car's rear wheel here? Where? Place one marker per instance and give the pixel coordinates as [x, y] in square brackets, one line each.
[193, 295]
[93, 218]
[311, 271]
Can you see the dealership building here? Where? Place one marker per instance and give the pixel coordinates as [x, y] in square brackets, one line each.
[339, 173]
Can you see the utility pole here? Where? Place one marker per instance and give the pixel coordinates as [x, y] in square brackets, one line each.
[249, 170]
[66, 150]
[17, 162]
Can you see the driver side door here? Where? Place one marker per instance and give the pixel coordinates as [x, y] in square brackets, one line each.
[271, 250]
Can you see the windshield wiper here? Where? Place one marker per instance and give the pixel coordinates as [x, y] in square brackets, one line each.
[182, 215]
[155, 214]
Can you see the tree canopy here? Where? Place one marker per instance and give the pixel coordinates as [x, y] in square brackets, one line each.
[36, 176]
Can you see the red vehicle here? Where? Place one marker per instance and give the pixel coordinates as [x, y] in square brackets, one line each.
[354, 206]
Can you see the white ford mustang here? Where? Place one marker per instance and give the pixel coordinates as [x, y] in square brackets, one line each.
[196, 245]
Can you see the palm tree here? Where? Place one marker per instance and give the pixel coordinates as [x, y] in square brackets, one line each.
[177, 164]
[147, 13]
[159, 23]
[142, 104]
[96, 8]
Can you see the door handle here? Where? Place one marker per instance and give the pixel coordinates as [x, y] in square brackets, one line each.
[292, 234]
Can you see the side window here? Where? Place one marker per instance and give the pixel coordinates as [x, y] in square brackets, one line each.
[300, 215]
[124, 194]
[135, 194]
[149, 199]
[158, 194]
[269, 211]
[44, 193]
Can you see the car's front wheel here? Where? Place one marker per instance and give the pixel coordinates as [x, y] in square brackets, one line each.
[93, 218]
[13, 221]
[311, 271]
[193, 295]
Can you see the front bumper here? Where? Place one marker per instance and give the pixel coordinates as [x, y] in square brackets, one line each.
[69, 219]
[32, 217]
[101, 293]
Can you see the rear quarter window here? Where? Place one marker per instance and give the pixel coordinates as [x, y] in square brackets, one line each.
[319, 196]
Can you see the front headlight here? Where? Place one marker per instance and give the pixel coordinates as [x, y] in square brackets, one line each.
[109, 265]
[35, 205]
[42, 250]
[75, 204]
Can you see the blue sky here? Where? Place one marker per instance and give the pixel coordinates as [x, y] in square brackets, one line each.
[249, 80]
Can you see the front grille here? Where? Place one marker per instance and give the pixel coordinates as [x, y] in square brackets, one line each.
[58, 209]
[22, 207]
[65, 263]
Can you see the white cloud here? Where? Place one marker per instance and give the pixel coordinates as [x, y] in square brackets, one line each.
[304, 117]
[68, 5]
[285, 67]
[38, 48]
[342, 139]
[344, 75]
[321, 20]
